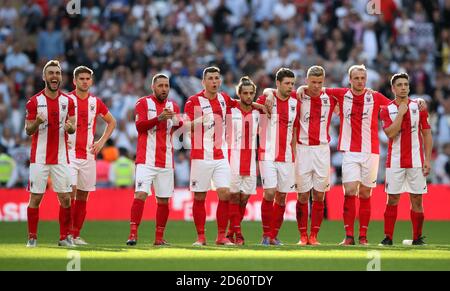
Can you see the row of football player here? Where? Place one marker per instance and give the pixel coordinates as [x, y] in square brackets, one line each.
[298, 126]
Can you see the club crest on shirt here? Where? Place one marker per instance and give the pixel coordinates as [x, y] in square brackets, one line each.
[92, 107]
[222, 103]
[293, 108]
[63, 107]
[414, 111]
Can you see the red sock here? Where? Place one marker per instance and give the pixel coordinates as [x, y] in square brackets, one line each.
[364, 215]
[242, 209]
[316, 216]
[33, 219]
[349, 214]
[199, 214]
[266, 216]
[302, 217]
[278, 217]
[64, 222]
[417, 223]
[222, 217]
[137, 209]
[72, 211]
[162, 214]
[235, 218]
[79, 213]
[390, 216]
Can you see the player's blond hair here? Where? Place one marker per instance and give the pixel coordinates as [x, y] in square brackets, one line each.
[315, 71]
[51, 63]
[82, 69]
[357, 68]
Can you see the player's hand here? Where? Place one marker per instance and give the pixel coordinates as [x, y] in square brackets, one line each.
[426, 168]
[301, 92]
[68, 127]
[402, 109]
[166, 114]
[40, 118]
[97, 147]
[422, 104]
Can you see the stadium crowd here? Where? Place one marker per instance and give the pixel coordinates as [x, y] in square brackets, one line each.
[126, 42]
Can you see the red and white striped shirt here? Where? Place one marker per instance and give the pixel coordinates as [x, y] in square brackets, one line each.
[405, 150]
[359, 120]
[86, 112]
[208, 139]
[242, 131]
[49, 142]
[155, 145]
[276, 133]
[315, 118]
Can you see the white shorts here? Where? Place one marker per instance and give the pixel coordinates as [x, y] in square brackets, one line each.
[83, 173]
[360, 167]
[312, 168]
[203, 172]
[278, 175]
[161, 178]
[243, 184]
[60, 175]
[400, 180]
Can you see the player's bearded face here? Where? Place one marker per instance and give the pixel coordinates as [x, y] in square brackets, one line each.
[247, 95]
[161, 88]
[53, 78]
[285, 86]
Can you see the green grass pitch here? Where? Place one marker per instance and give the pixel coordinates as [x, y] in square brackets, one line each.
[107, 249]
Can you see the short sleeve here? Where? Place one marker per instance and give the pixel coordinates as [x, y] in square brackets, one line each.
[189, 108]
[337, 93]
[140, 110]
[385, 118]
[101, 107]
[31, 109]
[423, 119]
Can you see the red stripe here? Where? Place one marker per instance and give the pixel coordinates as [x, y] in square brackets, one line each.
[246, 147]
[218, 129]
[314, 121]
[281, 140]
[375, 148]
[356, 124]
[82, 128]
[52, 131]
[142, 137]
[160, 144]
[406, 142]
[389, 154]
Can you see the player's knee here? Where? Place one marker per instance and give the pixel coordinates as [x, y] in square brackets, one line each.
[318, 196]
[269, 194]
[140, 195]
[82, 195]
[393, 200]
[234, 198]
[280, 199]
[35, 201]
[303, 197]
[64, 201]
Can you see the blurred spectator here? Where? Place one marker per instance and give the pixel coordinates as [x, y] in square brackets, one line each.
[103, 168]
[8, 169]
[182, 169]
[50, 43]
[110, 152]
[121, 172]
[442, 165]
